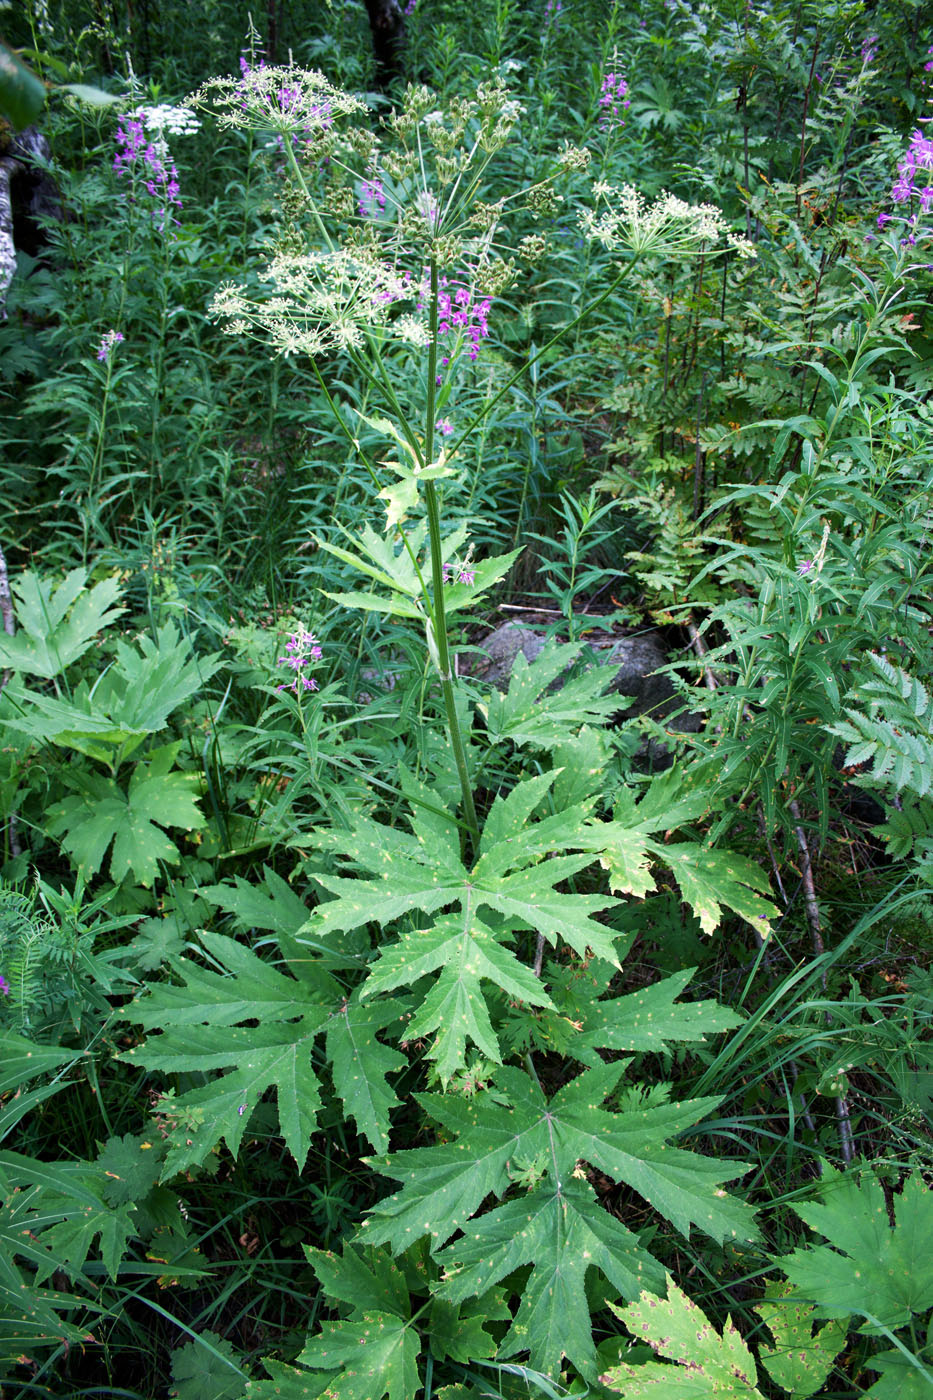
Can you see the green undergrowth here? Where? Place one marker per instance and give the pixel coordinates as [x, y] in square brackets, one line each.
[369, 1028]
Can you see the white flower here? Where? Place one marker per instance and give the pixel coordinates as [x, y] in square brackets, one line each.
[669, 225]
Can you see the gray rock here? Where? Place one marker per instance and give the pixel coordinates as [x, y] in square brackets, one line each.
[636, 660]
[502, 647]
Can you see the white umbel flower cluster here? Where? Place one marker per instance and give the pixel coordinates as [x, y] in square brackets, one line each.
[290, 100]
[320, 301]
[164, 119]
[669, 226]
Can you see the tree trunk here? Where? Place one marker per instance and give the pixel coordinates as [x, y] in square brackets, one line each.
[387, 22]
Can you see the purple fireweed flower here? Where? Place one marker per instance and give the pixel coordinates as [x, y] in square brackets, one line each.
[301, 649]
[372, 200]
[444, 427]
[552, 13]
[4, 986]
[805, 567]
[456, 573]
[612, 97]
[150, 162]
[912, 188]
[108, 341]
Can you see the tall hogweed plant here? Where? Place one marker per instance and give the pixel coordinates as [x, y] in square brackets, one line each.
[475, 948]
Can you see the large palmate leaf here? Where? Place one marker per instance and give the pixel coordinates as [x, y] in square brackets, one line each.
[200, 1031]
[515, 1143]
[706, 1362]
[202, 1028]
[100, 812]
[56, 624]
[531, 712]
[510, 888]
[868, 1267]
[373, 1350]
[132, 698]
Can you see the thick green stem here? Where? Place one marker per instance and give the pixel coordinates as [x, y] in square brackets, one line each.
[437, 579]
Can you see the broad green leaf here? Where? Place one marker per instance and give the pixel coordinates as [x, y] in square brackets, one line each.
[93, 96]
[902, 1377]
[132, 698]
[422, 872]
[207, 1368]
[22, 1059]
[627, 859]
[361, 1064]
[800, 1360]
[706, 1362]
[101, 813]
[373, 1357]
[287, 1383]
[562, 1231]
[531, 712]
[867, 1267]
[365, 1279]
[710, 880]
[22, 94]
[272, 905]
[70, 1242]
[513, 1143]
[467, 952]
[458, 1330]
[648, 1020]
[199, 1032]
[56, 624]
